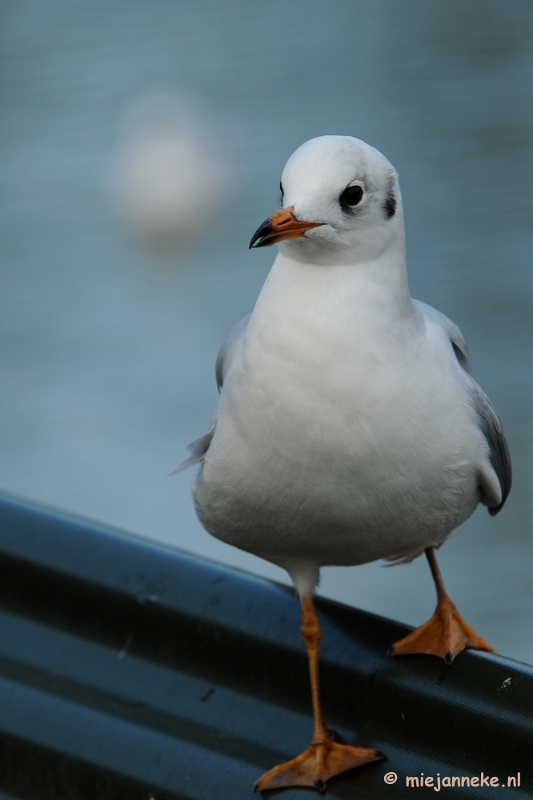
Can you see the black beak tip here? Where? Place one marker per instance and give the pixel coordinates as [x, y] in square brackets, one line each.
[260, 237]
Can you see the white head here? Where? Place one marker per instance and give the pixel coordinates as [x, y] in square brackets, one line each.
[341, 204]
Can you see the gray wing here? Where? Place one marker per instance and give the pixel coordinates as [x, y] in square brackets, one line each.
[455, 336]
[229, 348]
[491, 426]
[488, 420]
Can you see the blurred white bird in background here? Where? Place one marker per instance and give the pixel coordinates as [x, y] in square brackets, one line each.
[169, 175]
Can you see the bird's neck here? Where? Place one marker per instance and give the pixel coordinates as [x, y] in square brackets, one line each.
[371, 296]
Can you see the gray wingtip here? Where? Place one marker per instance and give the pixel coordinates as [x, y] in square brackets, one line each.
[501, 463]
[189, 462]
[197, 449]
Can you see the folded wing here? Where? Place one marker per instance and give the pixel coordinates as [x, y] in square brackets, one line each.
[487, 418]
[226, 354]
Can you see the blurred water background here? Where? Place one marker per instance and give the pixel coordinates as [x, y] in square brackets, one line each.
[112, 314]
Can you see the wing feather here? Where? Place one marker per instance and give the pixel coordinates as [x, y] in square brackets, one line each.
[227, 352]
[487, 418]
[230, 345]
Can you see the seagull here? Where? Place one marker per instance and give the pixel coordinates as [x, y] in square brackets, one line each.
[349, 427]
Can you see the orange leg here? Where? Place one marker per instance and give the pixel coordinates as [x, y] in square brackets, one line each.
[324, 758]
[446, 634]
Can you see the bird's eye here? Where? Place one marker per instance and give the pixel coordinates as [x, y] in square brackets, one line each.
[281, 190]
[351, 196]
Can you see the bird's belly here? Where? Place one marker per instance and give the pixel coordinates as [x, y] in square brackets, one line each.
[341, 483]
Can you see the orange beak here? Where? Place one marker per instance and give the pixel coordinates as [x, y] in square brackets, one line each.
[281, 225]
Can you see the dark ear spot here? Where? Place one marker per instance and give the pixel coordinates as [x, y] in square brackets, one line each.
[389, 206]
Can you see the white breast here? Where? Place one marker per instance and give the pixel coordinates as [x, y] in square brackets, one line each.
[343, 430]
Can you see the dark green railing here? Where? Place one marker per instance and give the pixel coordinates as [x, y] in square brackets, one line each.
[132, 671]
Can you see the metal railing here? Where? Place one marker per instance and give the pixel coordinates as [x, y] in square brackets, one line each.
[132, 671]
